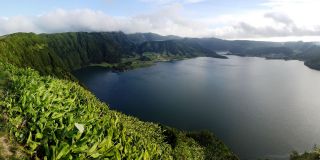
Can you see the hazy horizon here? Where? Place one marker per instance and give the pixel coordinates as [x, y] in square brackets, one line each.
[316, 42]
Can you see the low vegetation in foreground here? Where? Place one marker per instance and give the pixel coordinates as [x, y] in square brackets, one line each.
[313, 155]
[48, 118]
[44, 117]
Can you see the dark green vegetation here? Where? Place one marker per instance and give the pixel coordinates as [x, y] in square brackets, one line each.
[49, 118]
[308, 52]
[313, 155]
[52, 118]
[139, 38]
[58, 119]
[143, 60]
[177, 47]
[58, 54]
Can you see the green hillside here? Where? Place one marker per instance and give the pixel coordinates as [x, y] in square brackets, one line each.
[139, 38]
[312, 155]
[180, 47]
[58, 119]
[46, 115]
[58, 54]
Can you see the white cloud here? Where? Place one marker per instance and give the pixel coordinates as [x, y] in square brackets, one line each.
[278, 20]
[16, 24]
[173, 1]
[194, 1]
[165, 21]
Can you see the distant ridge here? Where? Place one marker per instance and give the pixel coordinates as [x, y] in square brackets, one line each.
[60, 53]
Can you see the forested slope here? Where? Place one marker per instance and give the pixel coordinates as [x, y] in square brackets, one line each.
[52, 117]
[47, 116]
[58, 54]
[58, 119]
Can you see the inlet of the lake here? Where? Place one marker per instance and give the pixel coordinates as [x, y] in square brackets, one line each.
[259, 108]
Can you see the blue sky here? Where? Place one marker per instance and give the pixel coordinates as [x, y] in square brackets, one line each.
[276, 20]
[34, 7]
[123, 7]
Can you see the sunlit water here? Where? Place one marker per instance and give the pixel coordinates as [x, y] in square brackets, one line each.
[259, 108]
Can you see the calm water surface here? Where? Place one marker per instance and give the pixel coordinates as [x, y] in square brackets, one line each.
[259, 108]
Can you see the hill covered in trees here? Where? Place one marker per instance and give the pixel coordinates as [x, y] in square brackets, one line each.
[49, 116]
[309, 52]
[63, 52]
[46, 115]
[58, 54]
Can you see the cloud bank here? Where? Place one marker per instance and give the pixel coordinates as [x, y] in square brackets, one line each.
[173, 1]
[165, 21]
[278, 19]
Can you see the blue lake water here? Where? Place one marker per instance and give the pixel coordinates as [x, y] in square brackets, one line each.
[259, 108]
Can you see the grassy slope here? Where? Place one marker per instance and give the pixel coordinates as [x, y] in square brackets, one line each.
[59, 119]
[313, 155]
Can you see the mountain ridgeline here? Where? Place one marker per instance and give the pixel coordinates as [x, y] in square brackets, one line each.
[179, 47]
[58, 54]
[61, 53]
[309, 52]
[51, 117]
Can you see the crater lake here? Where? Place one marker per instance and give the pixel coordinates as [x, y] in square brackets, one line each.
[259, 108]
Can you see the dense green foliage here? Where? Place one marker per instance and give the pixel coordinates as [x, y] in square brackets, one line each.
[308, 52]
[177, 47]
[58, 119]
[139, 38]
[213, 146]
[311, 57]
[143, 60]
[313, 155]
[58, 54]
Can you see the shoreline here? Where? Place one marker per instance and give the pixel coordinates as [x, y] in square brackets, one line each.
[136, 62]
[305, 63]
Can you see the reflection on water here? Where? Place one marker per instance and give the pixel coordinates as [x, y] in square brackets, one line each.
[260, 108]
